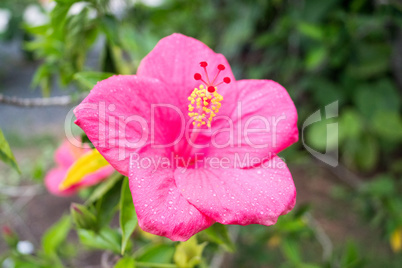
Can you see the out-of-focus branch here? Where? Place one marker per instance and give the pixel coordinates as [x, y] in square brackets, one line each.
[39, 102]
[25, 196]
[321, 236]
[343, 174]
[18, 191]
[11, 211]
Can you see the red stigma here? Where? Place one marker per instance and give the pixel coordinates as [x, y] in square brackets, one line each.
[210, 85]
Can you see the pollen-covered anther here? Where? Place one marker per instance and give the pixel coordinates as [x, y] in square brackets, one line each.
[205, 100]
[206, 106]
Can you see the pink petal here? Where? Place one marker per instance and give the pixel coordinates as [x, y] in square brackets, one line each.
[103, 114]
[240, 196]
[266, 106]
[96, 177]
[63, 155]
[68, 153]
[55, 176]
[160, 207]
[175, 60]
[53, 179]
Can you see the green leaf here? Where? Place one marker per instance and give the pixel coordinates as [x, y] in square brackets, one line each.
[378, 96]
[315, 10]
[372, 60]
[381, 186]
[315, 57]
[56, 235]
[31, 263]
[239, 29]
[350, 125]
[219, 234]
[157, 254]
[324, 91]
[110, 26]
[396, 166]
[318, 136]
[58, 17]
[137, 43]
[128, 217]
[309, 265]
[37, 30]
[126, 262]
[106, 207]
[291, 250]
[301, 210]
[89, 79]
[42, 78]
[6, 155]
[104, 187]
[367, 153]
[311, 30]
[106, 239]
[351, 257]
[388, 125]
[291, 225]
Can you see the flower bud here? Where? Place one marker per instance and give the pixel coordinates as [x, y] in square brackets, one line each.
[82, 217]
[188, 254]
[9, 236]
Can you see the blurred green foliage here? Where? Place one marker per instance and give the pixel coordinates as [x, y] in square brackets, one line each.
[321, 51]
[6, 155]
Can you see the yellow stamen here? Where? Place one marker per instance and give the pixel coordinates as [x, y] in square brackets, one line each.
[206, 106]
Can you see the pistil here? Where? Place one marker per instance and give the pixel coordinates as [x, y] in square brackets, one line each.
[205, 101]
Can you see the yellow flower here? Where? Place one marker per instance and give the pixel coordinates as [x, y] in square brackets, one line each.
[396, 240]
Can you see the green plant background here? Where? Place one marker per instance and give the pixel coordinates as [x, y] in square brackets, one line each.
[321, 51]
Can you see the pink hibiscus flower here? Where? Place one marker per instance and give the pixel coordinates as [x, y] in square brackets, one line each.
[197, 149]
[65, 156]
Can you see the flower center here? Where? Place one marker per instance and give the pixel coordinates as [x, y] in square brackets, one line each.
[205, 100]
